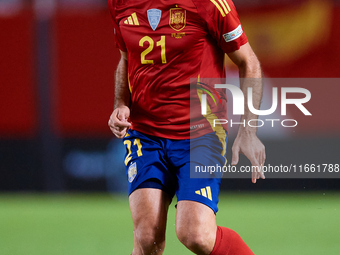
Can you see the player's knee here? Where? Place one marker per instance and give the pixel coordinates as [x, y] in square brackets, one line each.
[150, 239]
[197, 240]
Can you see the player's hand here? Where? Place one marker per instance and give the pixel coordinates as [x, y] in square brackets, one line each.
[250, 145]
[118, 121]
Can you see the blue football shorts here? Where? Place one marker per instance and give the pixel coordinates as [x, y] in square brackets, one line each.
[154, 162]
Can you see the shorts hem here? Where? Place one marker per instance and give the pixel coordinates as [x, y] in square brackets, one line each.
[215, 209]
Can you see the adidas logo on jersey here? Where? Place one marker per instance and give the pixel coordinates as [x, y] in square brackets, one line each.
[132, 20]
[205, 192]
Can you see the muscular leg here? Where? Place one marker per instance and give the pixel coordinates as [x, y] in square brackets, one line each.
[196, 226]
[196, 229]
[149, 209]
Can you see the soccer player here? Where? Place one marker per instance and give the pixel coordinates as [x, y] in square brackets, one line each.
[163, 45]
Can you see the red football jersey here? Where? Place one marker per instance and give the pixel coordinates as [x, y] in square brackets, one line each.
[167, 44]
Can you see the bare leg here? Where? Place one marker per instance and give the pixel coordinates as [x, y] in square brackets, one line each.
[149, 208]
[196, 226]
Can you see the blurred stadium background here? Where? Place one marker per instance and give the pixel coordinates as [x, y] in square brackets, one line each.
[62, 181]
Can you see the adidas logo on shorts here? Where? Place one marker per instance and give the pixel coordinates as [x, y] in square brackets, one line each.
[205, 192]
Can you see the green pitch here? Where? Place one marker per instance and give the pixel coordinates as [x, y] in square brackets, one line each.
[271, 223]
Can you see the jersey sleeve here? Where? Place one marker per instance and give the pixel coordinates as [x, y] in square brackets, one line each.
[119, 42]
[223, 23]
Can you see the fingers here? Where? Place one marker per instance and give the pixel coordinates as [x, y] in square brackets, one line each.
[122, 116]
[257, 162]
[118, 132]
[257, 173]
[255, 168]
[254, 151]
[235, 156]
[262, 159]
[119, 119]
[118, 122]
[115, 122]
[262, 156]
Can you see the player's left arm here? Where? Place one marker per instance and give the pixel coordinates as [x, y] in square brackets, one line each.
[247, 142]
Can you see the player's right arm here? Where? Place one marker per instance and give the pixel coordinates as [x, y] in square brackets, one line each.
[118, 120]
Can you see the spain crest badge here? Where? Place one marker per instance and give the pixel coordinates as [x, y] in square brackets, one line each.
[177, 18]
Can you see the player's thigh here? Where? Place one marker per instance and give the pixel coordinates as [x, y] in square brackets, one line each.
[149, 208]
[196, 216]
[196, 225]
[197, 204]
